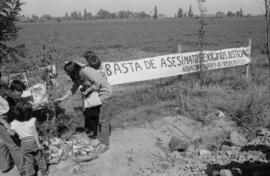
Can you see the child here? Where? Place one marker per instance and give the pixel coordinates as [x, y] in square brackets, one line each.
[25, 126]
[9, 151]
[17, 87]
[104, 111]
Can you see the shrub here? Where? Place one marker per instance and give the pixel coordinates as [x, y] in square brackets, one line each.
[249, 111]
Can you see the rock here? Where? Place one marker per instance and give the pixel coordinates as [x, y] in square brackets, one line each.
[203, 152]
[238, 139]
[220, 114]
[197, 141]
[237, 171]
[263, 132]
[177, 144]
[226, 147]
[225, 172]
[75, 169]
[215, 173]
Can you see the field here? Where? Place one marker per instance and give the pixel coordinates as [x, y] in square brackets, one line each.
[161, 36]
[125, 40]
[244, 101]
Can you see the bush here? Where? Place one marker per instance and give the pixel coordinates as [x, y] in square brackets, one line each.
[249, 111]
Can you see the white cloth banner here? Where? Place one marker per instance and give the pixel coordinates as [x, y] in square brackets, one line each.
[173, 64]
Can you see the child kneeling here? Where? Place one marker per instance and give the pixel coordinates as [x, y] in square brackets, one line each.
[25, 126]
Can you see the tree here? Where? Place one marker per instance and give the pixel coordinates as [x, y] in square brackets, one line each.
[185, 15]
[201, 35]
[34, 18]
[155, 16]
[220, 14]
[241, 12]
[85, 14]
[66, 17]
[230, 14]
[9, 11]
[46, 17]
[141, 15]
[190, 12]
[89, 15]
[122, 14]
[267, 5]
[80, 16]
[103, 14]
[74, 15]
[180, 13]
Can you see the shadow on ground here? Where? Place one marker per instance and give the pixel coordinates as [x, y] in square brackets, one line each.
[247, 168]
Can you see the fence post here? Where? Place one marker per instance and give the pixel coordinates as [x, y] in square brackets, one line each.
[179, 50]
[248, 65]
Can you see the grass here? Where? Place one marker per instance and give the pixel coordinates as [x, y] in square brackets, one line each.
[136, 103]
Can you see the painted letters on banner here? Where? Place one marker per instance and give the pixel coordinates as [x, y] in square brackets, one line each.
[174, 64]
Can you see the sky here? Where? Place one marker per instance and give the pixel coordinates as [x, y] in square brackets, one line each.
[167, 7]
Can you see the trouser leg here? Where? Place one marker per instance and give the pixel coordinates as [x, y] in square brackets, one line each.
[41, 162]
[15, 151]
[5, 159]
[106, 111]
[87, 122]
[92, 119]
[29, 164]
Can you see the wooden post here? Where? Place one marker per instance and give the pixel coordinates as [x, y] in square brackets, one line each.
[179, 48]
[248, 65]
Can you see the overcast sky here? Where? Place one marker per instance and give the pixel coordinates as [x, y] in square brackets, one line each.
[167, 7]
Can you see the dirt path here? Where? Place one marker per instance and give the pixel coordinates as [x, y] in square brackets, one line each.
[136, 148]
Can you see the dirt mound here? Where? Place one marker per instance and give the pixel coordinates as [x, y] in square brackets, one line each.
[143, 151]
[139, 150]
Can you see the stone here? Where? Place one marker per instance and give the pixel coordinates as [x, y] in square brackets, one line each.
[263, 132]
[220, 114]
[225, 172]
[75, 169]
[203, 152]
[215, 173]
[177, 144]
[238, 139]
[226, 147]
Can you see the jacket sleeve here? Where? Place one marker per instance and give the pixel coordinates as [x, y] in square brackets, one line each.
[106, 93]
[74, 88]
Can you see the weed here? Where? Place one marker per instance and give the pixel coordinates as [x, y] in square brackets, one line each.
[183, 101]
[249, 111]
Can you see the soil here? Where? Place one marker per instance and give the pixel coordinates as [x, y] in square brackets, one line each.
[139, 150]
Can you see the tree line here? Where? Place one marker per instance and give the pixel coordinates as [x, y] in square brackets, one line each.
[123, 14]
[85, 16]
[189, 14]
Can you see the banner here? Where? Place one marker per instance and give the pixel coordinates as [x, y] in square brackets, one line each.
[173, 64]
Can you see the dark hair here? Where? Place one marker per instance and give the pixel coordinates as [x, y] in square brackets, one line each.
[92, 59]
[22, 111]
[17, 85]
[73, 70]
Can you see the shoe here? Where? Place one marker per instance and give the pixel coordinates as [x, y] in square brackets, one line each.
[45, 173]
[90, 133]
[102, 148]
[23, 173]
[94, 142]
[9, 169]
